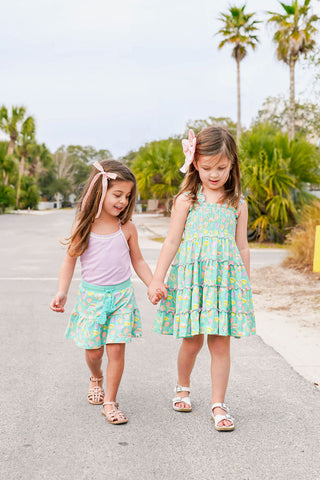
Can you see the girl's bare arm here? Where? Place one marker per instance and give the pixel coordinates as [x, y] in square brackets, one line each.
[241, 236]
[170, 245]
[65, 276]
[139, 264]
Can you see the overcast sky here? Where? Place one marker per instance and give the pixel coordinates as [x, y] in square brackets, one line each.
[116, 74]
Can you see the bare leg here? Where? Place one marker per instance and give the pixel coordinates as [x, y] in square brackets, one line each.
[115, 353]
[219, 348]
[94, 361]
[188, 352]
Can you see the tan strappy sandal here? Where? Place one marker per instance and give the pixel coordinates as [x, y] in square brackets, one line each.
[95, 393]
[115, 415]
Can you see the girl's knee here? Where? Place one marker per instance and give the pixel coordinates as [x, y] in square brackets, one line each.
[219, 345]
[194, 344]
[95, 354]
[115, 351]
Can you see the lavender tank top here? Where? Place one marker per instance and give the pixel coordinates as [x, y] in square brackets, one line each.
[106, 261]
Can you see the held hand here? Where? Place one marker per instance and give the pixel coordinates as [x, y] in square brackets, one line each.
[156, 291]
[58, 302]
[156, 299]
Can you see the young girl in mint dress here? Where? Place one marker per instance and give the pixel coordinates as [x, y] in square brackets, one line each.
[106, 315]
[208, 289]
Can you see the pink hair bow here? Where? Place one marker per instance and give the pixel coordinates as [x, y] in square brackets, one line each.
[189, 147]
[105, 177]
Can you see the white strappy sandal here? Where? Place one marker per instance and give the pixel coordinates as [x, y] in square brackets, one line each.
[185, 400]
[218, 418]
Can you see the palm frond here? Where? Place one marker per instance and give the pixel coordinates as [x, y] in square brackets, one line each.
[238, 28]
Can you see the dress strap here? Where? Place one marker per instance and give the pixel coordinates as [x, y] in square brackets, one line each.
[200, 195]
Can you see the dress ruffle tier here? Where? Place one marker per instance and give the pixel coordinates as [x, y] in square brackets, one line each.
[208, 287]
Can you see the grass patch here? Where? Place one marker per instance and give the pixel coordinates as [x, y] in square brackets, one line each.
[267, 245]
[158, 239]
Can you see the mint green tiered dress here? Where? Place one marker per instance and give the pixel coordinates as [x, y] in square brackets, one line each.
[208, 286]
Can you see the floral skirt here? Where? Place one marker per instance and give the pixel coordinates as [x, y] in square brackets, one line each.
[204, 298]
[104, 314]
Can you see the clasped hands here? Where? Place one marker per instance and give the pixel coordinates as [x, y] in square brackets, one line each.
[156, 291]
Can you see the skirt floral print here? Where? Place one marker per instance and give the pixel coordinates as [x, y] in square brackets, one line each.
[104, 314]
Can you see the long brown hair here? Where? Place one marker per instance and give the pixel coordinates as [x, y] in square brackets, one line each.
[212, 141]
[79, 239]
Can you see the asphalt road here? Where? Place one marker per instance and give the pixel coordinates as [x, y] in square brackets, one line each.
[49, 430]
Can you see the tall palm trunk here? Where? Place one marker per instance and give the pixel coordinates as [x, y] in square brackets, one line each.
[5, 178]
[10, 152]
[21, 170]
[238, 102]
[11, 146]
[33, 167]
[291, 101]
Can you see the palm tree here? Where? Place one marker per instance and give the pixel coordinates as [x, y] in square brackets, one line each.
[156, 167]
[294, 36]
[41, 157]
[7, 163]
[26, 142]
[30, 193]
[238, 30]
[275, 175]
[8, 168]
[12, 124]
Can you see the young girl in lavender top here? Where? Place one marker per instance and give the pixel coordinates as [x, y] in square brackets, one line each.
[106, 313]
[208, 290]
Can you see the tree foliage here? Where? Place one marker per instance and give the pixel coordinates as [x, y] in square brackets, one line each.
[295, 30]
[198, 125]
[156, 166]
[28, 168]
[30, 193]
[275, 111]
[239, 30]
[7, 196]
[11, 123]
[275, 174]
[69, 169]
[87, 154]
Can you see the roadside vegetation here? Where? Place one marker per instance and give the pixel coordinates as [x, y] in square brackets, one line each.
[279, 153]
[29, 172]
[301, 238]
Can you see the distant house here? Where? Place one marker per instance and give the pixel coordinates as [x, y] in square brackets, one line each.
[47, 205]
[57, 203]
[72, 199]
